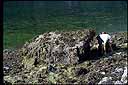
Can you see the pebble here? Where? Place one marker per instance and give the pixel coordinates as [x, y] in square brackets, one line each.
[110, 57]
[6, 68]
[118, 53]
[102, 73]
[42, 68]
[51, 68]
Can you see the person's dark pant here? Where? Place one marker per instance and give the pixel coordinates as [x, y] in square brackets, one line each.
[108, 48]
[100, 50]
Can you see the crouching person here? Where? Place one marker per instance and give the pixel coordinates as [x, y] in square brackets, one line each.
[105, 42]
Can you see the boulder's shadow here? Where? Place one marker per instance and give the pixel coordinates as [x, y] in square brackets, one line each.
[92, 55]
[96, 54]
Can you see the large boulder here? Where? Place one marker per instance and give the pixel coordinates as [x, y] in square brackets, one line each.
[55, 47]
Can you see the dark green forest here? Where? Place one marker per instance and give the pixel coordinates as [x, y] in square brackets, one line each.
[25, 19]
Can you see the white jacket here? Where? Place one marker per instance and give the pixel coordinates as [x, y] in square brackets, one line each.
[105, 37]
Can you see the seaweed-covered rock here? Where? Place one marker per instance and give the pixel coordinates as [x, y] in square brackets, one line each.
[120, 38]
[55, 47]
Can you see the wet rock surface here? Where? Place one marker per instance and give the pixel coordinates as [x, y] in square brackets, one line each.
[52, 58]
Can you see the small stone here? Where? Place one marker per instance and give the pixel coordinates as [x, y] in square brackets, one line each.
[106, 80]
[51, 68]
[118, 82]
[6, 68]
[110, 56]
[119, 38]
[124, 45]
[102, 73]
[124, 76]
[118, 53]
[118, 69]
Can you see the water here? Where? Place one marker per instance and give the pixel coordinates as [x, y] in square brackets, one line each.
[25, 19]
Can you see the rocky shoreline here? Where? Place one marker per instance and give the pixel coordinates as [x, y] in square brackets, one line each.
[18, 65]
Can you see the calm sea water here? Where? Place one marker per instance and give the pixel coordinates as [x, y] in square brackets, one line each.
[26, 19]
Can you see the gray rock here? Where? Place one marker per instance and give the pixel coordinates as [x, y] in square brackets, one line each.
[102, 73]
[118, 82]
[124, 76]
[6, 68]
[119, 69]
[80, 71]
[52, 69]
